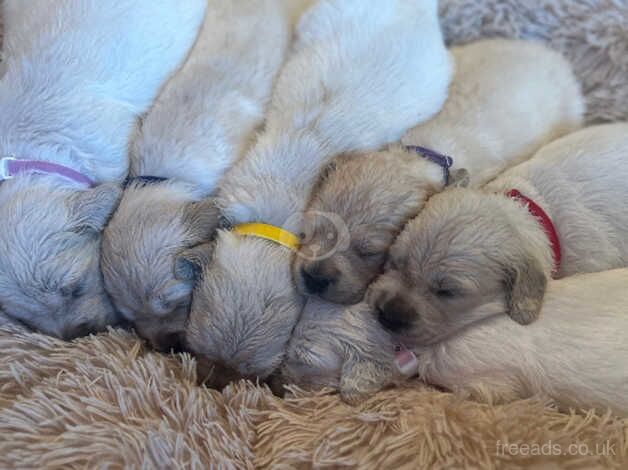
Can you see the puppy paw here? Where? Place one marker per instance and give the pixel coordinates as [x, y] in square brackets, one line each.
[360, 380]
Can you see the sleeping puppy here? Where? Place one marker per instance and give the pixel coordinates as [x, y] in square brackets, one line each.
[574, 353]
[507, 99]
[74, 85]
[559, 213]
[200, 125]
[361, 73]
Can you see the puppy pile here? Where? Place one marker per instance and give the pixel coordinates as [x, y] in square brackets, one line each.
[314, 192]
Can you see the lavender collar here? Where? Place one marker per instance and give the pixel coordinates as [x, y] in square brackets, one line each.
[444, 161]
[11, 167]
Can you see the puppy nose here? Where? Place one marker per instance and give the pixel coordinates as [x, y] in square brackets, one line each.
[77, 331]
[316, 281]
[394, 315]
[275, 383]
[168, 342]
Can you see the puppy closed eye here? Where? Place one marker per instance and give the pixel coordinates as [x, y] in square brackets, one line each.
[446, 293]
[73, 291]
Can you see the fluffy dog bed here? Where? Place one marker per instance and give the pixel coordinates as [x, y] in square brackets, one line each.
[106, 401]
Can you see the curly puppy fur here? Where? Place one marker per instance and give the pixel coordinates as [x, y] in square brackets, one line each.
[78, 73]
[361, 73]
[507, 99]
[201, 124]
[471, 248]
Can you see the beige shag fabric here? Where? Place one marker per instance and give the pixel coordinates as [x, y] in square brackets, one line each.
[108, 402]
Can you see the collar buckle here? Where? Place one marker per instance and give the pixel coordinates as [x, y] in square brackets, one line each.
[5, 172]
[440, 159]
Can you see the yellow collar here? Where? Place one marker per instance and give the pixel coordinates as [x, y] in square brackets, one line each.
[269, 232]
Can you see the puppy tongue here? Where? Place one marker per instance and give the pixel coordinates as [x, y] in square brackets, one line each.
[406, 361]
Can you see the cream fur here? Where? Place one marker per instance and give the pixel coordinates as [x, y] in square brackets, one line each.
[360, 74]
[575, 353]
[470, 248]
[202, 122]
[507, 99]
[78, 74]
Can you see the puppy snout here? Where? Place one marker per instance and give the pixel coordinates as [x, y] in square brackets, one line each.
[395, 314]
[317, 277]
[276, 384]
[77, 331]
[170, 342]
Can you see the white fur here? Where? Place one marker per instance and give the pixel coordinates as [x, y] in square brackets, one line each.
[580, 181]
[79, 72]
[202, 122]
[360, 74]
[205, 116]
[575, 353]
[507, 99]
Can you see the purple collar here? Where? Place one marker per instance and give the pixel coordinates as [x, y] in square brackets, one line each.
[444, 161]
[11, 167]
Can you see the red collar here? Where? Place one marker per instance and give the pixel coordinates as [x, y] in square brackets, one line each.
[544, 220]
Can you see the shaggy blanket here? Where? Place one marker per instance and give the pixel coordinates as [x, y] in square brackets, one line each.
[107, 401]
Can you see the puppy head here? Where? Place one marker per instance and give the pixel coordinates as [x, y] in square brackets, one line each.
[355, 215]
[467, 256]
[153, 224]
[244, 305]
[49, 255]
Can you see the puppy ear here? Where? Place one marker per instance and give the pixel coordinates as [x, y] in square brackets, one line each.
[189, 264]
[459, 178]
[170, 296]
[201, 219]
[525, 289]
[90, 210]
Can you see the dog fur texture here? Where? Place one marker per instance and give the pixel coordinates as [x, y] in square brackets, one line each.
[507, 99]
[591, 34]
[341, 347]
[575, 353]
[78, 73]
[200, 125]
[361, 73]
[470, 248]
[494, 361]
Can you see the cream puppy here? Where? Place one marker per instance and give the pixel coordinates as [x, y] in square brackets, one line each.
[559, 213]
[78, 74]
[200, 125]
[574, 353]
[507, 99]
[360, 74]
